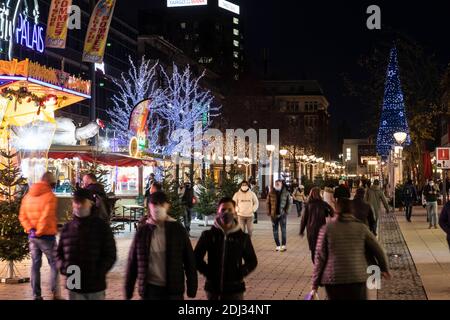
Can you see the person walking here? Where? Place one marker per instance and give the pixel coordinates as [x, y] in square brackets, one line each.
[230, 253]
[254, 188]
[341, 191]
[88, 243]
[246, 204]
[363, 211]
[299, 199]
[38, 217]
[316, 213]
[375, 196]
[279, 205]
[198, 190]
[431, 194]
[161, 258]
[444, 221]
[409, 196]
[187, 196]
[101, 199]
[343, 249]
[328, 196]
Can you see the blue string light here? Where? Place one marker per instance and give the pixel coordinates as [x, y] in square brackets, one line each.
[393, 115]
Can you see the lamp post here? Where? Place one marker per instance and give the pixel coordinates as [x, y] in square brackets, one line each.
[270, 148]
[283, 153]
[400, 138]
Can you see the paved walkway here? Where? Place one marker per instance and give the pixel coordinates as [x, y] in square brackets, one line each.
[279, 275]
[430, 252]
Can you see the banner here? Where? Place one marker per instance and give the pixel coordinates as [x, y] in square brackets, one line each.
[139, 116]
[57, 24]
[97, 33]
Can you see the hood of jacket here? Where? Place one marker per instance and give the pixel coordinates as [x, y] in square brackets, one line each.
[234, 228]
[38, 189]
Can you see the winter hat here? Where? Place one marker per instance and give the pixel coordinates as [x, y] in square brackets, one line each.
[80, 195]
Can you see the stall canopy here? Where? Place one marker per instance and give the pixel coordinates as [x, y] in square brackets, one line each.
[108, 159]
[29, 92]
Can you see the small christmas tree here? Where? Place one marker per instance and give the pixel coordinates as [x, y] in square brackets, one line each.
[229, 184]
[208, 198]
[13, 239]
[170, 187]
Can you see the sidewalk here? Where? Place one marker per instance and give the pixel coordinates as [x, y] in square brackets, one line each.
[430, 253]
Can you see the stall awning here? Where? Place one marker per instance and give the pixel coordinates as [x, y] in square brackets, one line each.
[108, 159]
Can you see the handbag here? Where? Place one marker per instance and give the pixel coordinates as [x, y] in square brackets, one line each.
[313, 295]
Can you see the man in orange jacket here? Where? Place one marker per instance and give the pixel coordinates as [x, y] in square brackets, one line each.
[38, 218]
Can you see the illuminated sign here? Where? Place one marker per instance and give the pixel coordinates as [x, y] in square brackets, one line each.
[26, 33]
[29, 35]
[186, 3]
[227, 5]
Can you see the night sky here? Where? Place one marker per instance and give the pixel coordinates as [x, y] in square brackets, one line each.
[322, 39]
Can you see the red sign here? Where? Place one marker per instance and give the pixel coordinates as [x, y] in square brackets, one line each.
[443, 154]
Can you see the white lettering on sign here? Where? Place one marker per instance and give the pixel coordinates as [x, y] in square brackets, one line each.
[227, 5]
[186, 3]
[29, 35]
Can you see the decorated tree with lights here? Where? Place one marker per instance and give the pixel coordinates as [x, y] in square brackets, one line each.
[393, 116]
[13, 239]
[185, 104]
[139, 83]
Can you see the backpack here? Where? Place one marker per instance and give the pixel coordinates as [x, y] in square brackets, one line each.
[408, 192]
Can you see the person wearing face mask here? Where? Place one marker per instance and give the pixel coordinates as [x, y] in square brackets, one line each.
[230, 252]
[87, 242]
[431, 194]
[246, 204]
[279, 205]
[39, 219]
[161, 258]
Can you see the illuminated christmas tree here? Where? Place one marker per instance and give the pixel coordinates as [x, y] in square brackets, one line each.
[393, 115]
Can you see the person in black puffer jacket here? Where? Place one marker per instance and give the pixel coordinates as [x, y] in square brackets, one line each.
[86, 242]
[161, 258]
[363, 211]
[226, 245]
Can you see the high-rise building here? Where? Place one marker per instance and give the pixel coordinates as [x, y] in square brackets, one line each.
[210, 32]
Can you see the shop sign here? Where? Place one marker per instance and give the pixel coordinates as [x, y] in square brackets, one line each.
[443, 158]
[17, 28]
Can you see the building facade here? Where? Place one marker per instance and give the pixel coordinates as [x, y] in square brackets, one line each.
[360, 157]
[211, 34]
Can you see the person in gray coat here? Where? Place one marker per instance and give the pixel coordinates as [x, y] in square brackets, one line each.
[375, 196]
[343, 249]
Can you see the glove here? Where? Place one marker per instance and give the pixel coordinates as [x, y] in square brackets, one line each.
[32, 234]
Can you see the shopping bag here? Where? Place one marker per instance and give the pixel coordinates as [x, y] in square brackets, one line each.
[313, 295]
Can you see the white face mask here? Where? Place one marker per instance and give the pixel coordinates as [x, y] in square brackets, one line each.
[244, 188]
[82, 212]
[159, 214]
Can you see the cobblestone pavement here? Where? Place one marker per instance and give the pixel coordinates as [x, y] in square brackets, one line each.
[279, 275]
[406, 283]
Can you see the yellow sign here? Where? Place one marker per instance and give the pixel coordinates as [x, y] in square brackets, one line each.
[97, 33]
[57, 24]
[134, 147]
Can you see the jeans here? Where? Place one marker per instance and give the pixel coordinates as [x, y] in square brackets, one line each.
[408, 211]
[48, 247]
[246, 224]
[299, 206]
[87, 296]
[187, 219]
[432, 213]
[351, 291]
[226, 297]
[153, 292]
[280, 221]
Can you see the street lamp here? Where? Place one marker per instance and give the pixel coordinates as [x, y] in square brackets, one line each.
[400, 138]
[283, 153]
[270, 148]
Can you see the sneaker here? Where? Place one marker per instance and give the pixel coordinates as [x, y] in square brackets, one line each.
[429, 227]
[255, 221]
[277, 248]
[283, 248]
[58, 297]
[435, 227]
[38, 298]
